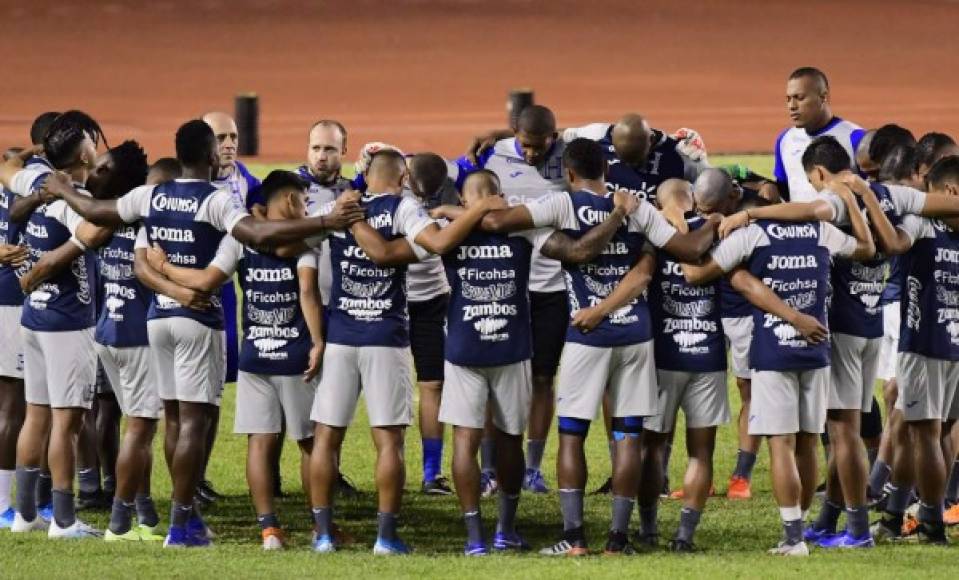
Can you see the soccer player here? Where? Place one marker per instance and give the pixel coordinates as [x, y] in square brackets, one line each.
[810, 110]
[368, 342]
[233, 177]
[790, 374]
[529, 166]
[927, 372]
[282, 344]
[188, 218]
[58, 318]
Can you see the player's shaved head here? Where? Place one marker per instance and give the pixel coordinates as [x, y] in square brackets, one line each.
[219, 121]
[227, 136]
[632, 139]
[163, 170]
[675, 193]
[931, 148]
[714, 192]
[900, 166]
[386, 171]
[814, 74]
[480, 184]
[943, 177]
[887, 138]
[536, 120]
[427, 174]
[863, 161]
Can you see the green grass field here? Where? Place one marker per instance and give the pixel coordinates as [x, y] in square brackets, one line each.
[733, 536]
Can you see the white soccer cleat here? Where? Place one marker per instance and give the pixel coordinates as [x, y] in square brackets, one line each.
[78, 531]
[21, 525]
[786, 549]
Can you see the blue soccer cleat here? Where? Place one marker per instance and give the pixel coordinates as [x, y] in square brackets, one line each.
[847, 540]
[475, 550]
[384, 547]
[6, 518]
[815, 535]
[181, 537]
[45, 511]
[488, 485]
[534, 481]
[503, 542]
[324, 544]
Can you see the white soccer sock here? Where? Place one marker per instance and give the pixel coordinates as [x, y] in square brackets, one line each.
[790, 514]
[6, 484]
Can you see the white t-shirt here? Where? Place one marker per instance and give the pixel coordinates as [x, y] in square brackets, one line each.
[905, 201]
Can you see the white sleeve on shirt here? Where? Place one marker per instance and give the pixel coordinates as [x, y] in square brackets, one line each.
[840, 214]
[593, 131]
[309, 259]
[834, 240]
[135, 204]
[553, 211]
[228, 255]
[220, 211]
[23, 180]
[537, 237]
[906, 200]
[411, 218]
[652, 224]
[317, 240]
[738, 247]
[60, 211]
[142, 241]
[916, 227]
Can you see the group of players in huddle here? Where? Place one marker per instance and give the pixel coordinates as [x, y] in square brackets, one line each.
[611, 255]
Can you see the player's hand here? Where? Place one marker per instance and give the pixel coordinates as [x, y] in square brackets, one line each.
[346, 211]
[480, 145]
[14, 256]
[732, 223]
[156, 257]
[811, 329]
[193, 299]
[14, 163]
[446, 212]
[769, 191]
[55, 186]
[315, 361]
[690, 144]
[367, 152]
[258, 211]
[628, 202]
[586, 319]
[26, 283]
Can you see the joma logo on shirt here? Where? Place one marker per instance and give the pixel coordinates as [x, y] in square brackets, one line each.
[171, 234]
[269, 274]
[792, 262]
[484, 252]
[947, 255]
[161, 202]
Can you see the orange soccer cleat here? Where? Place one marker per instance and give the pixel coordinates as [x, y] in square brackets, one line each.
[273, 539]
[680, 494]
[951, 516]
[738, 488]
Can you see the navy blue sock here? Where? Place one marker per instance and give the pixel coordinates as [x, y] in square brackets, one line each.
[432, 458]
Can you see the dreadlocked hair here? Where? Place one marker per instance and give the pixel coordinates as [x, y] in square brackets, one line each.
[65, 134]
[130, 169]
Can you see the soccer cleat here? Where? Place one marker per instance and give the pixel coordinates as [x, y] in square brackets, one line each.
[21, 525]
[680, 546]
[931, 534]
[846, 540]
[877, 500]
[888, 529]
[45, 511]
[739, 488]
[534, 481]
[197, 527]
[439, 486]
[344, 487]
[77, 531]
[181, 537]
[815, 535]
[475, 550]
[324, 544]
[93, 501]
[646, 541]
[206, 493]
[384, 547]
[503, 542]
[680, 494]
[604, 489]
[786, 549]
[149, 533]
[131, 535]
[950, 517]
[566, 548]
[488, 485]
[617, 544]
[909, 525]
[6, 518]
[273, 539]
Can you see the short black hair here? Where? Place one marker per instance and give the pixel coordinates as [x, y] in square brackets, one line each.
[826, 152]
[536, 120]
[277, 181]
[65, 134]
[40, 126]
[169, 166]
[331, 123]
[944, 171]
[386, 158]
[429, 171]
[487, 176]
[900, 164]
[931, 145]
[584, 157]
[811, 72]
[130, 169]
[195, 143]
[887, 138]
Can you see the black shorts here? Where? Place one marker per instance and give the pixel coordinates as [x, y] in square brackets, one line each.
[550, 318]
[428, 336]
